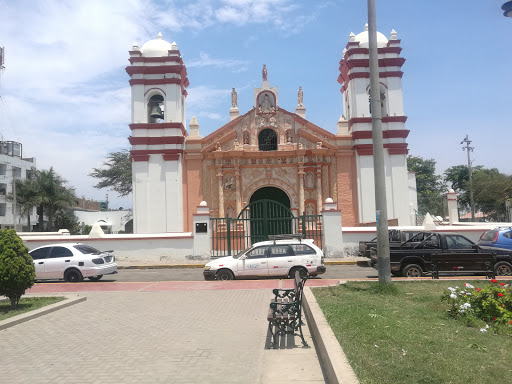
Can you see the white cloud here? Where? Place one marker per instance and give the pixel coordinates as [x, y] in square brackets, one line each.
[206, 61]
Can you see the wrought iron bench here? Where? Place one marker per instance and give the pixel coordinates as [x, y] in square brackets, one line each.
[449, 263]
[285, 312]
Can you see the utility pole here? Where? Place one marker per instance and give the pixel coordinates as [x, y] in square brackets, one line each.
[469, 149]
[384, 266]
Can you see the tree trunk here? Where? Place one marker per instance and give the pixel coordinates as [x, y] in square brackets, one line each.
[14, 301]
[40, 222]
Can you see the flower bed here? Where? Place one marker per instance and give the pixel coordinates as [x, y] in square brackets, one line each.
[489, 308]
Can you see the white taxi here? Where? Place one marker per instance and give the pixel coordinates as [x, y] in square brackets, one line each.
[274, 258]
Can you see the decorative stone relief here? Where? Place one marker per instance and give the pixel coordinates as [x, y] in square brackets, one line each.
[229, 183]
[310, 209]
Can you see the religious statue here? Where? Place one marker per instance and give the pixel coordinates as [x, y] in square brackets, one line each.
[264, 72]
[319, 144]
[310, 180]
[246, 137]
[218, 147]
[300, 97]
[235, 145]
[230, 212]
[289, 136]
[234, 99]
[229, 183]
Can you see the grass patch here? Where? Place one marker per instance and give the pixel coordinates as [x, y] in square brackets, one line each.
[403, 334]
[25, 305]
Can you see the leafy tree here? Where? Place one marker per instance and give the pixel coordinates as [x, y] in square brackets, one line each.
[17, 271]
[117, 174]
[53, 196]
[458, 177]
[430, 187]
[65, 218]
[490, 189]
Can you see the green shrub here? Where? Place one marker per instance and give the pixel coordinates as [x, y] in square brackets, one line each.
[491, 304]
[17, 271]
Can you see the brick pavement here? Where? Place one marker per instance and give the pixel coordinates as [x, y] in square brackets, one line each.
[212, 336]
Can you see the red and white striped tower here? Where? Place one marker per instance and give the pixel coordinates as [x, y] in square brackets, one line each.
[355, 80]
[158, 84]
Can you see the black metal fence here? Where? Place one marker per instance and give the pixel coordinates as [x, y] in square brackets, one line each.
[231, 236]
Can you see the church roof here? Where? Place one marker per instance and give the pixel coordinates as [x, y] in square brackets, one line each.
[157, 47]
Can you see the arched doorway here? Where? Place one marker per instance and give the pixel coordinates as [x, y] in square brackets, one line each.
[271, 193]
[269, 214]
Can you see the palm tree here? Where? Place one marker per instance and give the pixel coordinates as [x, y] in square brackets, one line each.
[52, 195]
[26, 197]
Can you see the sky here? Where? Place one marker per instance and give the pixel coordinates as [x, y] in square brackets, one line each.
[65, 94]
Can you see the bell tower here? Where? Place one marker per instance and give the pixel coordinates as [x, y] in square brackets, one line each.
[355, 80]
[158, 81]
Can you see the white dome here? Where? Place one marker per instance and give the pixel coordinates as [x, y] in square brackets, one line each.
[362, 38]
[156, 48]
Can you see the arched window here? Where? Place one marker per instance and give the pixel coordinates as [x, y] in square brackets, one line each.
[267, 140]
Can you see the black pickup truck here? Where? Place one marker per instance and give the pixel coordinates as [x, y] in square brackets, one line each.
[413, 258]
[396, 237]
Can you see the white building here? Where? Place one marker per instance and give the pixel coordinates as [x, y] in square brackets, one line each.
[14, 166]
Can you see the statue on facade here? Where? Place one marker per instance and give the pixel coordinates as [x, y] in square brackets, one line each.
[264, 72]
[310, 209]
[246, 137]
[300, 97]
[235, 145]
[234, 99]
[229, 183]
[218, 147]
[310, 180]
[289, 137]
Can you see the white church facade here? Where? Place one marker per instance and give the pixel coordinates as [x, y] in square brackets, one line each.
[266, 153]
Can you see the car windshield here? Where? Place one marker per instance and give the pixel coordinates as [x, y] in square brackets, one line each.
[237, 256]
[86, 250]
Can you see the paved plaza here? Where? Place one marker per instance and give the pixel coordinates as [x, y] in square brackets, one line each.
[188, 336]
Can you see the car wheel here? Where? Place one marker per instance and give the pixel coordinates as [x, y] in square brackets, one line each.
[95, 278]
[412, 270]
[303, 272]
[73, 276]
[225, 274]
[503, 269]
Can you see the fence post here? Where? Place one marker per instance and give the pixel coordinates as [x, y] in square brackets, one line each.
[332, 230]
[202, 232]
[228, 234]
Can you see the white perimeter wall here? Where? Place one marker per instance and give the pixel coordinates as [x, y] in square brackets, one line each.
[178, 248]
[133, 249]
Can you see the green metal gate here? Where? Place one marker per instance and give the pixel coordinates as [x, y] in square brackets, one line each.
[256, 222]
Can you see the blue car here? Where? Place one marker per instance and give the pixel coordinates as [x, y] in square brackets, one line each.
[498, 238]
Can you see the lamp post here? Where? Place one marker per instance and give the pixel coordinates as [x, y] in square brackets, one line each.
[507, 8]
[469, 149]
[384, 266]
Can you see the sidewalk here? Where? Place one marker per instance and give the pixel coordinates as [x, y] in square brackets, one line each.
[156, 337]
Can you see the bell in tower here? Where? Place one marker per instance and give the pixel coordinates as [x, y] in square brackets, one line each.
[156, 113]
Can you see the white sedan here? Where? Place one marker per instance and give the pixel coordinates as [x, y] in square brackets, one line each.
[72, 262]
[275, 258]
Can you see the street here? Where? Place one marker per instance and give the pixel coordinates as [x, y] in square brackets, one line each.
[196, 274]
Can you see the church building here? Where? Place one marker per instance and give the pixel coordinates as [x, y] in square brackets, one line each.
[266, 153]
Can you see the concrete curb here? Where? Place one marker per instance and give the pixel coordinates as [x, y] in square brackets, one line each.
[15, 320]
[332, 358]
[182, 266]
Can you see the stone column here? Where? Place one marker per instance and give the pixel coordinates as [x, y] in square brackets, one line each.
[319, 189]
[221, 192]
[453, 212]
[301, 189]
[238, 192]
